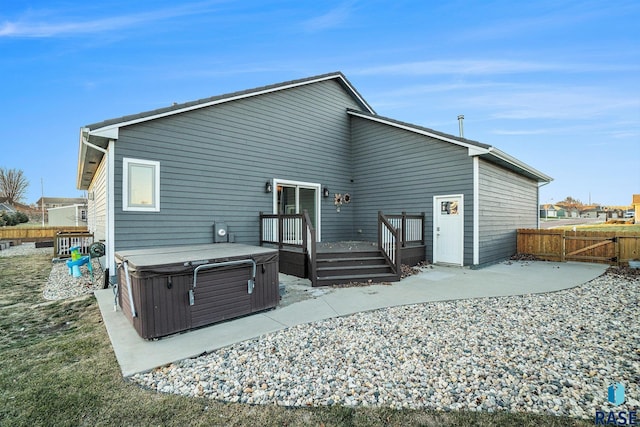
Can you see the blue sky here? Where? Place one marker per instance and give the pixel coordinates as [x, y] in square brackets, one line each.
[554, 83]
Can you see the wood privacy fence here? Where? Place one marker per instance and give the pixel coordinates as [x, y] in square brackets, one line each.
[616, 248]
[36, 234]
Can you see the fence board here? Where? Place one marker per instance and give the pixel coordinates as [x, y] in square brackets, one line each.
[616, 248]
[34, 234]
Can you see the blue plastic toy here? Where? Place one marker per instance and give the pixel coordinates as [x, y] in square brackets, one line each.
[76, 261]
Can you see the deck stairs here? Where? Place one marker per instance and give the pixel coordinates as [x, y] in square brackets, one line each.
[353, 266]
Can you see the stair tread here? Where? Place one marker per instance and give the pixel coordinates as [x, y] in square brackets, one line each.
[357, 276]
[368, 258]
[352, 267]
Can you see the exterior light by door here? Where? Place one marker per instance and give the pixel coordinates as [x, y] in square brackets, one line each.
[325, 192]
[268, 187]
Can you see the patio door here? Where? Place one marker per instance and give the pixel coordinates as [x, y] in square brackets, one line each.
[294, 197]
[448, 229]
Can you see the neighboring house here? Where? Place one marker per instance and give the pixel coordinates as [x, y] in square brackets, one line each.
[593, 211]
[550, 211]
[6, 207]
[75, 215]
[56, 202]
[164, 177]
[635, 202]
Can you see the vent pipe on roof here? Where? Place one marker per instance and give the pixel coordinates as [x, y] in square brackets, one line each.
[460, 120]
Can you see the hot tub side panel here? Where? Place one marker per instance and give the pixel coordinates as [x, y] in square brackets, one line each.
[161, 304]
[266, 293]
[219, 295]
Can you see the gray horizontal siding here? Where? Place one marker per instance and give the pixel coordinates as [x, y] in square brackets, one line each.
[396, 170]
[507, 201]
[215, 161]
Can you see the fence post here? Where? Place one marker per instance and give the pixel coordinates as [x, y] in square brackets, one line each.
[563, 246]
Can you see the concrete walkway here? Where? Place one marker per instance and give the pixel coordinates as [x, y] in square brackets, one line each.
[439, 283]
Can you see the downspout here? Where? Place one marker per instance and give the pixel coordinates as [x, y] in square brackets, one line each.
[84, 139]
[538, 202]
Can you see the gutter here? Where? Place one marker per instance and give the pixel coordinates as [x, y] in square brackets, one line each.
[512, 160]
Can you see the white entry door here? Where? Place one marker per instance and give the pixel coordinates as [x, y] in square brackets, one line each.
[448, 229]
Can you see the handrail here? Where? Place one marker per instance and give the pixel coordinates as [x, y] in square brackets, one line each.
[250, 283]
[282, 230]
[411, 225]
[389, 243]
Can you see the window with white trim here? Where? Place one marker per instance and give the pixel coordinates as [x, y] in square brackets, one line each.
[140, 185]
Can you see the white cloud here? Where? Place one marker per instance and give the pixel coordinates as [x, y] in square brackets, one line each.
[331, 19]
[487, 67]
[54, 26]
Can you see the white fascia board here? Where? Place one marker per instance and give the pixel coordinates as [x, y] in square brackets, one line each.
[111, 131]
[512, 160]
[107, 132]
[474, 150]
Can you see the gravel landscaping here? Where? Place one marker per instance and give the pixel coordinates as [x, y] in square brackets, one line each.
[552, 353]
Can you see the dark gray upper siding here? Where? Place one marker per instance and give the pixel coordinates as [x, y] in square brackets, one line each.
[215, 161]
[397, 170]
[507, 201]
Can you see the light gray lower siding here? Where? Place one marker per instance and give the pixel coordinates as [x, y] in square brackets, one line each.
[507, 201]
[215, 161]
[97, 204]
[397, 170]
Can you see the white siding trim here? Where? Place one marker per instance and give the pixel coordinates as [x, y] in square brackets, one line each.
[476, 211]
[111, 215]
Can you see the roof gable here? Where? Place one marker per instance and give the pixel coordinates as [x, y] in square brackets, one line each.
[107, 125]
[94, 138]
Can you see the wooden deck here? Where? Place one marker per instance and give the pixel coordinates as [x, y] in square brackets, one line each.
[400, 241]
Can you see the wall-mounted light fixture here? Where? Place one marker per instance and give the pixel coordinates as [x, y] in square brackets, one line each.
[268, 187]
[325, 192]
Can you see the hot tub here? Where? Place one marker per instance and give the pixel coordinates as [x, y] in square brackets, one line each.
[173, 289]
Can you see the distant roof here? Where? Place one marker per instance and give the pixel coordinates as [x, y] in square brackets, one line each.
[6, 207]
[60, 200]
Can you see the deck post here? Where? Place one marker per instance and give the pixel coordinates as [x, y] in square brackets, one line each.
[261, 229]
[404, 228]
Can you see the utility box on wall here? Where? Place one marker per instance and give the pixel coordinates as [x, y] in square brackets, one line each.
[220, 232]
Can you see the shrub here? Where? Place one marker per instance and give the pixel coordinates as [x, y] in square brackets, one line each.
[21, 217]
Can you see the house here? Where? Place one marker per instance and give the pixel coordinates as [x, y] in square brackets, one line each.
[550, 211]
[6, 207]
[165, 177]
[75, 215]
[56, 202]
[635, 203]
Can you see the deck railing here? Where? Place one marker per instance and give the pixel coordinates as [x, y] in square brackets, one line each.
[281, 230]
[411, 227]
[389, 243]
[292, 230]
[64, 241]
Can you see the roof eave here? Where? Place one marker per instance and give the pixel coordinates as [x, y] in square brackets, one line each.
[523, 167]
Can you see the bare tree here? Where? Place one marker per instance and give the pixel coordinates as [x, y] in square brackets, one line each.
[13, 184]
